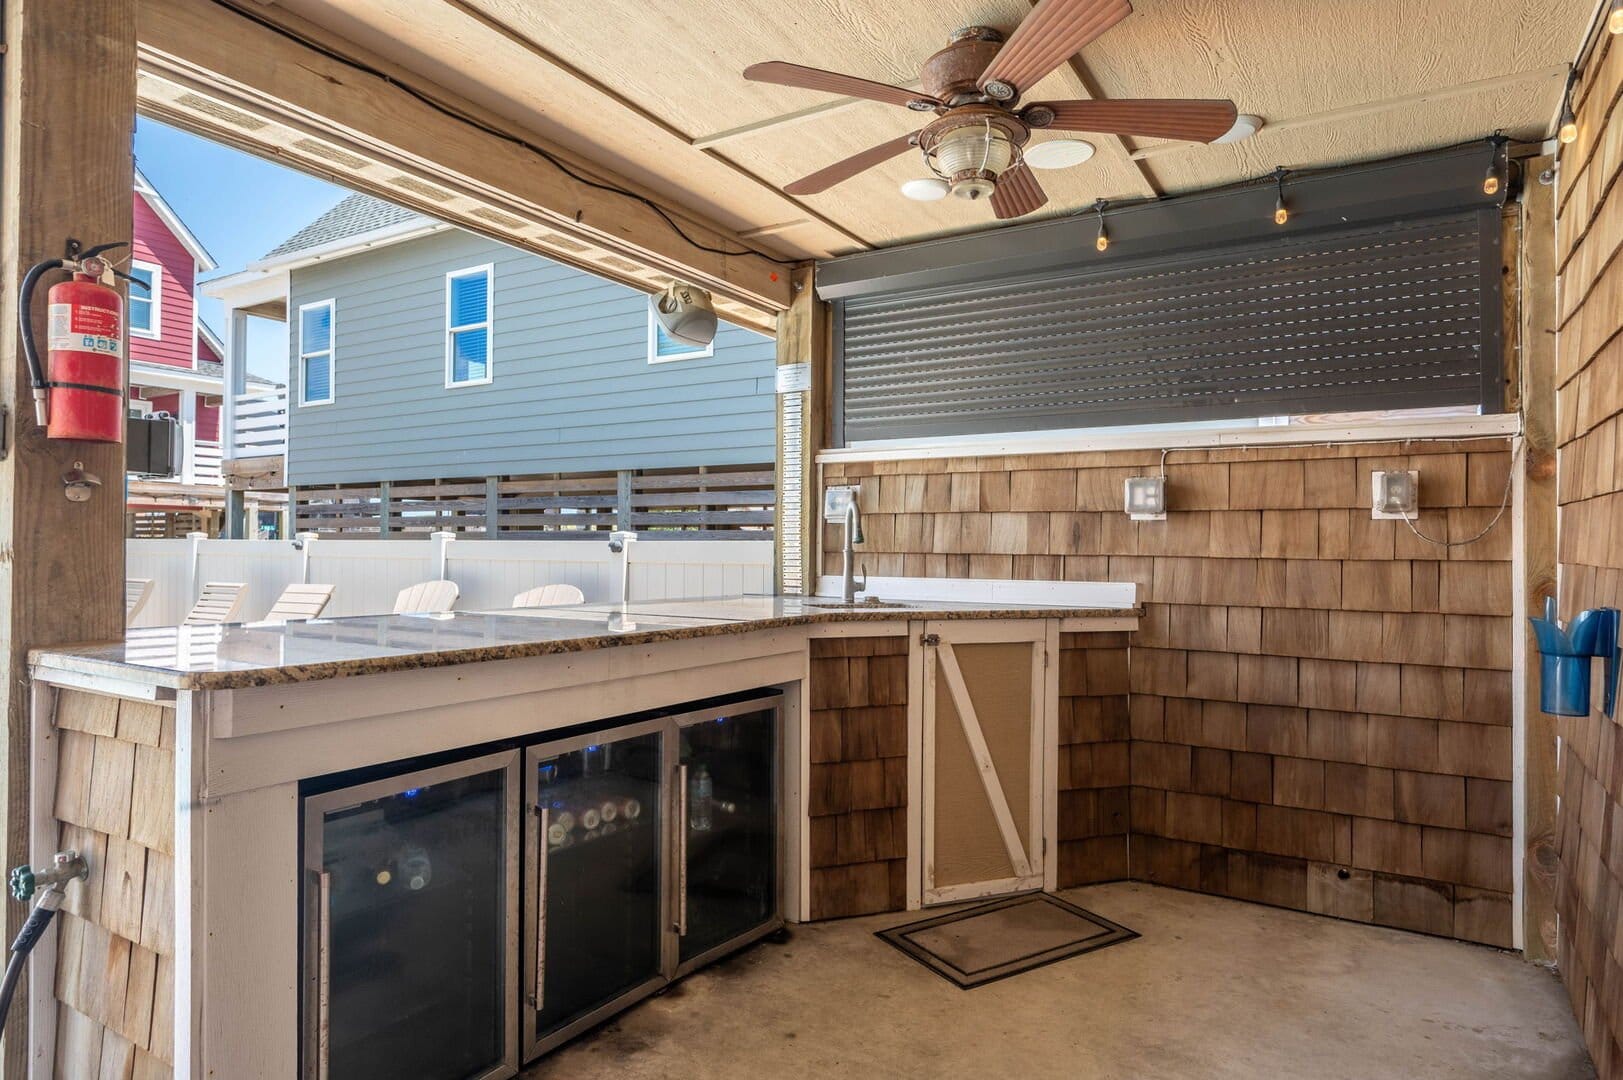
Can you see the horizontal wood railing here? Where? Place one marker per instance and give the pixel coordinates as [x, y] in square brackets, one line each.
[259, 424]
[696, 504]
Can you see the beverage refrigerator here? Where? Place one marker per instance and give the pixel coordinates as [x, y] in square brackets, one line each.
[468, 917]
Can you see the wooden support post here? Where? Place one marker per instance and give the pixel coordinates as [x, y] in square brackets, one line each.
[804, 337]
[622, 500]
[493, 508]
[67, 122]
[1536, 517]
[384, 516]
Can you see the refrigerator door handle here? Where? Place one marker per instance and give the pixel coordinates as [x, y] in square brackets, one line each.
[682, 850]
[541, 846]
[323, 971]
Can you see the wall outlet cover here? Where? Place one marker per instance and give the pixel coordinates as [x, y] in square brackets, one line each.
[1145, 498]
[1394, 493]
[837, 502]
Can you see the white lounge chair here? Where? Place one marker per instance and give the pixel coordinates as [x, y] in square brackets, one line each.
[549, 596]
[300, 602]
[220, 602]
[137, 591]
[429, 597]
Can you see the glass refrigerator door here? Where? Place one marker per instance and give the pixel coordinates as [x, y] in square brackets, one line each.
[412, 892]
[594, 923]
[727, 852]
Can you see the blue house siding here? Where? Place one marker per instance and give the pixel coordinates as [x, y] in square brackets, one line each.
[572, 388]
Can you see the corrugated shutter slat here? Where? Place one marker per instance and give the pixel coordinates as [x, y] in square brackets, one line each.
[1373, 317]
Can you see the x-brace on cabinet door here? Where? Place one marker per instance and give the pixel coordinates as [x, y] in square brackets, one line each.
[986, 775]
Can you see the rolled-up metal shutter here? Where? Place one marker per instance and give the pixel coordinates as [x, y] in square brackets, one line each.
[1393, 315]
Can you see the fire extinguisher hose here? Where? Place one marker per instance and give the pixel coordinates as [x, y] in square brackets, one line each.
[25, 325]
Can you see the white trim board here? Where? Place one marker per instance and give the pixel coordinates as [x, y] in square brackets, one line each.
[1083, 440]
[1066, 594]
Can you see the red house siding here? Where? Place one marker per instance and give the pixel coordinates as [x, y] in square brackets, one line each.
[208, 412]
[154, 243]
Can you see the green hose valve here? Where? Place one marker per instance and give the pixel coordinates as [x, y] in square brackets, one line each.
[22, 883]
[65, 867]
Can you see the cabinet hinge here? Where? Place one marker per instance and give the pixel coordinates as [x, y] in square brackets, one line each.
[929, 639]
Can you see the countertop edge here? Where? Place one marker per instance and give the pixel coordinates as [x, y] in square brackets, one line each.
[63, 658]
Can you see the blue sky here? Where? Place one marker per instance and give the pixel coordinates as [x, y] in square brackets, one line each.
[240, 207]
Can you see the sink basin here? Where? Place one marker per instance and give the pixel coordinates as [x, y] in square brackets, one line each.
[855, 605]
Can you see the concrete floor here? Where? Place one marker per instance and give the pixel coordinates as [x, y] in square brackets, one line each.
[1215, 988]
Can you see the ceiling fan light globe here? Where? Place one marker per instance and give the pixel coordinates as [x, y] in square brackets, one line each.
[1058, 153]
[974, 149]
[1245, 126]
[925, 189]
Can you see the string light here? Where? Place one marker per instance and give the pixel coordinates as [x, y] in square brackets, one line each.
[1103, 240]
[1568, 131]
[1614, 20]
[1282, 213]
[1491, 181]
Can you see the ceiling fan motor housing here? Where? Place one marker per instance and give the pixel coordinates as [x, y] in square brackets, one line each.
[950, 75]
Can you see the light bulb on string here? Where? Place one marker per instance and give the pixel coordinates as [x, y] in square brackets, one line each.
[1102, 241]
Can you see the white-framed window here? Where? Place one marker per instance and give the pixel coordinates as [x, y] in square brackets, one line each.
[662, 348]
[469, 308]
[318, 332]
[146, 305]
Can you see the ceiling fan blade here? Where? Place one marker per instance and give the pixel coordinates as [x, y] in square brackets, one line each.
[1054, 32]
[1018, 193]
[1192, 119]
[823, 179]
[809, 78]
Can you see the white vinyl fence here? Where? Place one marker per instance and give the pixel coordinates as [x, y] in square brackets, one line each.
[368, 573]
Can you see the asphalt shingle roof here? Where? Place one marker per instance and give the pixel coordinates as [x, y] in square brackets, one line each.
[355, 215]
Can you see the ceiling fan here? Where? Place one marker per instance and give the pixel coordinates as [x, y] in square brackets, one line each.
[973, 86]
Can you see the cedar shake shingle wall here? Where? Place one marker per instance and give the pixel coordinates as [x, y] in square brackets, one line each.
[1319, 703]
[1589, 487]
[1093, 758]
[858, 797]
[115, 952]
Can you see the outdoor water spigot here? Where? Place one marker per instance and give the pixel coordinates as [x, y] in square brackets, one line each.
[1565, 653]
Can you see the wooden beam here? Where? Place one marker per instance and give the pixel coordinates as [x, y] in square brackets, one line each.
[1369, 108]
[67, 124]
[804, 338]
[1536, 513]
[372, 111]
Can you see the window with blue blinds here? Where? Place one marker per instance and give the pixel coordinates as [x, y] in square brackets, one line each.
[143, 302]
[662, 347]
[316, 335]
[467, 326]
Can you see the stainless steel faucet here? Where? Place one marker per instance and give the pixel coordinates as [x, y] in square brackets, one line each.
[853, 535]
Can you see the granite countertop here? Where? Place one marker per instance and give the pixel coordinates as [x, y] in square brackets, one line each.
[242, 655]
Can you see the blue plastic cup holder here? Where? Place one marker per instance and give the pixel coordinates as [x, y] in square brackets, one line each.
[1565, 653]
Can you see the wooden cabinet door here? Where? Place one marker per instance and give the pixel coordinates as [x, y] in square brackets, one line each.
[986, 777]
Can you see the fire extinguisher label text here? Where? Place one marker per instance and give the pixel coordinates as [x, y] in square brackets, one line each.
[84, 329]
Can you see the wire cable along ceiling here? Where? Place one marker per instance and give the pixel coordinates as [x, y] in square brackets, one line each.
[974, 146]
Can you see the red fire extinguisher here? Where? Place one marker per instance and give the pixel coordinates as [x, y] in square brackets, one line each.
[79, 393]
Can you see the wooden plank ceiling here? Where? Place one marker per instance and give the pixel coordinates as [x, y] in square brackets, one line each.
[635, 86]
